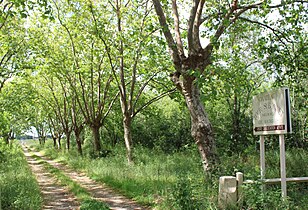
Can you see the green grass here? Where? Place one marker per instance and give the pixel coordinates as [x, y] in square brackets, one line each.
[85, 198]
[176, 181]
[296, 166]
[147, 181]
[18, 187]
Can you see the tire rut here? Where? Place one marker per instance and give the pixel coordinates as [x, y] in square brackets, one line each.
[54, 195]
[99, 191]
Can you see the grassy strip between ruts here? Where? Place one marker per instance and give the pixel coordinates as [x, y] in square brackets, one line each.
[85, 198]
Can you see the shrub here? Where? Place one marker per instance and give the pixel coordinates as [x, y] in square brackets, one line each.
[92, 204]
[270, 198]
[183, 196]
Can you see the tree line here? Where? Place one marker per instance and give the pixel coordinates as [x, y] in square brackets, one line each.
[73, 66]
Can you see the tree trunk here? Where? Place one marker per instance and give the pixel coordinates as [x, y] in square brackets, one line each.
[68, 140]
[54, 141]
[96, 136]
[43, 140]
[236, 122]
[128, 138]
[78, 142]
[77, 132]
[201, 128]
[59, 142]
[40, 138]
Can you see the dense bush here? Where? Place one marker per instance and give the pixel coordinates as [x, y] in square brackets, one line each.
[18, 187]
[163, 126]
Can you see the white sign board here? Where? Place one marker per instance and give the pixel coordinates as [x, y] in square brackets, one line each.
[271, 112]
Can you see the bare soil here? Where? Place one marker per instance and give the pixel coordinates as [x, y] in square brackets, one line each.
[97, 190]
[54, 195]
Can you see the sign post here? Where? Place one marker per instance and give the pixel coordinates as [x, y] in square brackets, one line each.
[262, 157]
[283, 166]
[271, 115]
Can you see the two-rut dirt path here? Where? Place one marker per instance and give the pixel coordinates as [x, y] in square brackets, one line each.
[57, 197]
[54, 195]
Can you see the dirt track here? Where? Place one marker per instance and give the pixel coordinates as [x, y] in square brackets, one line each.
[57, 197]
[54, 195]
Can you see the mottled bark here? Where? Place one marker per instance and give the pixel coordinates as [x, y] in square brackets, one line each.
[201, 128]
[197, 60]
[128, 138]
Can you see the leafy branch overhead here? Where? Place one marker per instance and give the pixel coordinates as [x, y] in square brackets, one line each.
[99, 72]
[211, 19]
[191, 56]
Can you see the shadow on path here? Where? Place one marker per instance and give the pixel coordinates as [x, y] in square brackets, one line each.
[54, 195]
[99, 191]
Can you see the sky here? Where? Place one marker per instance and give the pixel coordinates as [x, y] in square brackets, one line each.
[32, 132]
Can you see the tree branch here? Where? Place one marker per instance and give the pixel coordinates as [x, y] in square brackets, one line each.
[107, 48]
[69, 34]
[153, 100]
[276, 32]
[190, 28]
[258, 4]
[10, 5]
[121, 55]
[86, 111]
[226, 21]
[110, 106]
[101, 105]
[177, 29]
[166, 31]
[141, 90]
[196, 26]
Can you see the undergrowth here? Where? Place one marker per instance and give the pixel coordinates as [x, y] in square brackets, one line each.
[176, 181]
[18, 187]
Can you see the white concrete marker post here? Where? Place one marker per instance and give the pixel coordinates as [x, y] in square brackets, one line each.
[240, 179]
[227, 196]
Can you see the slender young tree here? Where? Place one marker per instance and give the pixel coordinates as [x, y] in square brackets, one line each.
[129, 58]
[93, 91]
[78, 124]
[62, 106]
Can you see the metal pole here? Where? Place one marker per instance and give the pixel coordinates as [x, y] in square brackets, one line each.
[283, 166]
[262, 157]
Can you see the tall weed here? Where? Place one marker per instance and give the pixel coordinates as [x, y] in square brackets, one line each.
[176, 180]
